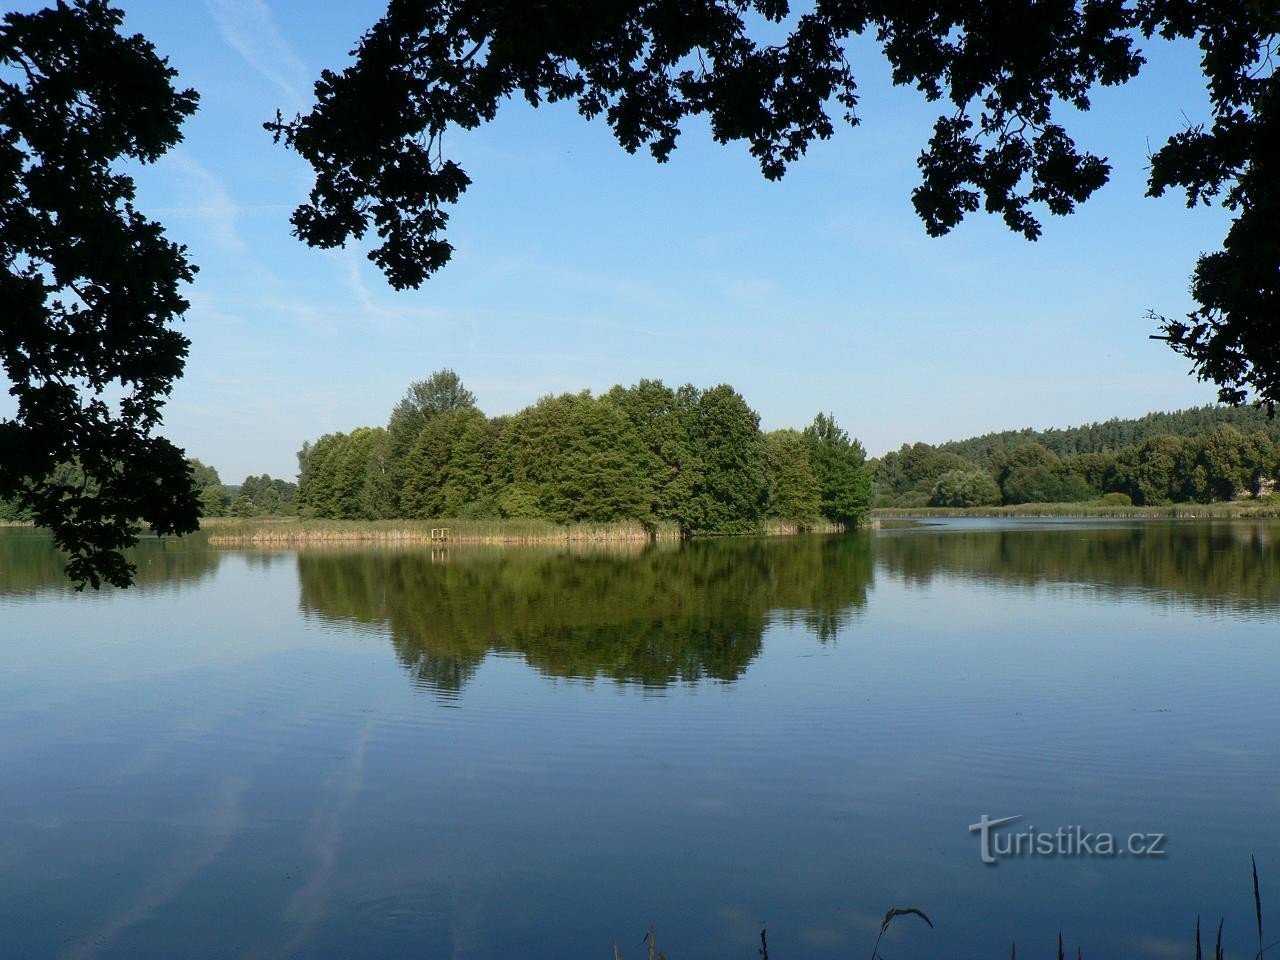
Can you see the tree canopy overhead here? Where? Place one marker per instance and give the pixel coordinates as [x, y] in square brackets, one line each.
[776, 76]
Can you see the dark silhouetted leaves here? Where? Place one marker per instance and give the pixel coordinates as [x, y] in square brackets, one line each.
[1005, 69]
[89, 287]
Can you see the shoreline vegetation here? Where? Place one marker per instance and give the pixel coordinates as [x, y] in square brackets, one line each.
[293, 532]
[1185, 458]
[649, 463]
[631, 463]
[290, 531]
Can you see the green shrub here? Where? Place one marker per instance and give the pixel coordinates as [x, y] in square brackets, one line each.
[1116, 500]
[242, 506]
[965, 488]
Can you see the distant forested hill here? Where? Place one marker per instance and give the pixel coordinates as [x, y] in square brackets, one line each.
[1198, 455]
[1113, 435]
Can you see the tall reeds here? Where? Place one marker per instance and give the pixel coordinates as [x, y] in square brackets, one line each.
[294, 532]
[896, 912]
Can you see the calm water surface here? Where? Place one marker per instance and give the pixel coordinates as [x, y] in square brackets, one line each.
[533, 753]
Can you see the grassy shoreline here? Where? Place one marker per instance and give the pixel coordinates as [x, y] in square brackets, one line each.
[293, 532]
[1179, 511]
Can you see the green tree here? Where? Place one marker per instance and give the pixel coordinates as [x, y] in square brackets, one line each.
[214, 501]
[333, 477]
[661, 417]
[1156, 470]
[440, 393]
[447, 469]
[1235, 463]
[89, 286]
[270, 496]
[1265, 459]
[1031, 473]
[794, 492]
[732, 486]
[384, 478]
[839, 462]
[888, 478]
[243, 506]
[571, 458]
[317, 463]
[209, 489]
[203, 476]
[965, 488]
[1093, 468]
[906, 477]
[351, 475]
[1074, 488]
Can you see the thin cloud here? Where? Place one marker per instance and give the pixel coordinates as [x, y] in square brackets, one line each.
[249, 27]
[216, 210]
[402, 315]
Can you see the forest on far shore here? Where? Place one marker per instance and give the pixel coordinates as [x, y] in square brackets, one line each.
[698, 460]
[694, 459]
[1200, 455]
[648, 453]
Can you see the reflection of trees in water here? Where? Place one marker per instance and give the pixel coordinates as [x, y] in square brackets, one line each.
[1217, 565]
[30, 564]
[663, 615]
[265, 558]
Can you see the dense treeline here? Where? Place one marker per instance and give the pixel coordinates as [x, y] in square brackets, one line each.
[698, 459]
[1115, 434]
[260, 496]
[647, 453]
[1208, 459]
[64, 474]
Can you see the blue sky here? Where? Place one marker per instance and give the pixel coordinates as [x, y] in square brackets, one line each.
[580, 266]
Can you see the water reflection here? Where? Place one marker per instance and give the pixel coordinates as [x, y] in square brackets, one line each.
[670, 613]
[249, 748]
[31, 566]
[663, 615]
[1212, 565]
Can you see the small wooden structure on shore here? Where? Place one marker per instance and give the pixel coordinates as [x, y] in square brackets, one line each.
[439, 534]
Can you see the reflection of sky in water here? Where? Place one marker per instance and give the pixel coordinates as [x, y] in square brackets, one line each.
[206, 772]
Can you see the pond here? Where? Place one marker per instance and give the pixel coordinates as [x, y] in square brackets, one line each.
[536, 752]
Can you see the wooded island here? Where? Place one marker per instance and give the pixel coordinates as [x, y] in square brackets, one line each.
[692, 461]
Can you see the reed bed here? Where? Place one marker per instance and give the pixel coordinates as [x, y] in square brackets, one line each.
[293, 532]
[787, 528]
[290, 531]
